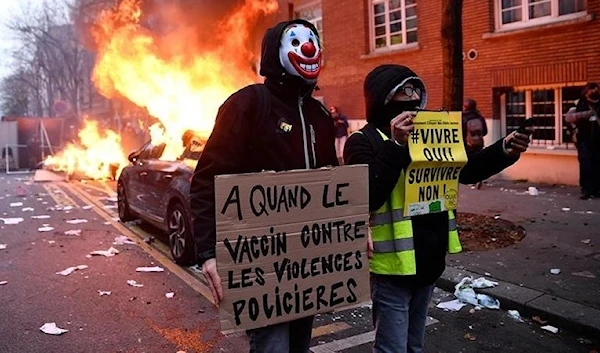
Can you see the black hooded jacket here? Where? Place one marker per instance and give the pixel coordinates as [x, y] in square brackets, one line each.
[244, 142]
[387, 160]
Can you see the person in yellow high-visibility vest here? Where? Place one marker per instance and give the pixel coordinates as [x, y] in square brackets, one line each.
[407, 253]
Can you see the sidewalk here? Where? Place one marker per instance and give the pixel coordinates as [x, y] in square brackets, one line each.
[563, 233]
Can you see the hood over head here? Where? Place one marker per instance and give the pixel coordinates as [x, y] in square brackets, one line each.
[380, 87]
[271, 61]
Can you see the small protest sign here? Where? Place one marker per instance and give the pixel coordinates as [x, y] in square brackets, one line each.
[437, 156]
[291, 244]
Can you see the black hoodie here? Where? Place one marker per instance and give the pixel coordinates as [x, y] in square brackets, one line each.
[387, 160]
[298, 133]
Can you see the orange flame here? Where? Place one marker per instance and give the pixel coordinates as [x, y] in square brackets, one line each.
[96, 154]
[183, 90]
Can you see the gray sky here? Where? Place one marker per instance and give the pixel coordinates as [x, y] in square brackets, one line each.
[9, 8]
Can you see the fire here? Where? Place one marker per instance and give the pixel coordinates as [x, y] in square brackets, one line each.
[97, 155]
[178, 83]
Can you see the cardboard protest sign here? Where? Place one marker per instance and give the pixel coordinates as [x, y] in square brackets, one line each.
[291, 244]
[437, 155]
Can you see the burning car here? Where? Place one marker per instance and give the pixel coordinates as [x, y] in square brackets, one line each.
[156, 191]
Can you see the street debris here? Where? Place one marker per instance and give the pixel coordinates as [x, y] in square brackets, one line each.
[566, 209]
[3, 246]
[134, 284]
[586, 241]
[44, 216]
[148, 240]
[11, 221]
[109, 207]
[16, 204]
[70, 270]
[169, 295]
[112, 199]
[555, 271]
[497, 216]
[3, 283]
[50, 328]
[77, 221]
[45, 229]
[550, 328]
[107, 253]
[27, 209]
[465, 292]
[453, 305]
[586, 274]
[539, 320]
[88, 207]
[470, 337]
[196, 268]
[533, 191]
[515, 315]
[106, 223]
[73, 232]
[104, 292]
[122, 240]
[51, 241]
[150, 269]
[481, 283]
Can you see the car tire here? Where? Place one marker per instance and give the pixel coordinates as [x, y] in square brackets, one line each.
[181, 241]
[125, 214]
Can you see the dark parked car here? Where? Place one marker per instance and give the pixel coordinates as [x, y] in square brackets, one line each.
[157, 191]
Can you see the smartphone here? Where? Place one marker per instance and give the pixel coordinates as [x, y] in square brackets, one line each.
[530, 122]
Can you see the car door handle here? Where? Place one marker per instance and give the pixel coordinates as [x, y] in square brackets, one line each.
[143, 173]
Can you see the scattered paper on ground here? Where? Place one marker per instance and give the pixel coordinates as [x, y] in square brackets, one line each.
[566, 209]
[27, 209]
[453, 305]
[67, 208]
[150, 269]
[51, 329]
[465, 292]
[51, 241]
[73, 232]
[45, 229]
[112, 199]
[108, 253]
[3, 246]
[134, 283]
[77, 221]
[3, 283]
[169, 295]
[550, 328]
[11, 221]
[122, 240]
[16, 204]
[70, 270]
[586, 241]
[88, 207]
[109, 207]
[44, 216]
[555, 271]
[104, 292]
[515, 315]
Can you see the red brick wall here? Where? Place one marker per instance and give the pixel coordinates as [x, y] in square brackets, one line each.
[346, 32]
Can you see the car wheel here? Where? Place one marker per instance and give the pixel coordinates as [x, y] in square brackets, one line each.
[181, 241]
[125, 214]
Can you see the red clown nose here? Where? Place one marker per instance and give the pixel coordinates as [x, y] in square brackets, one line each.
[308, 49]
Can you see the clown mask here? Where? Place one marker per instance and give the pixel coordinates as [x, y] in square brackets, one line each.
[300, 52]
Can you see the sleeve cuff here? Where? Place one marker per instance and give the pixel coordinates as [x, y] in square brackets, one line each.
[206, 255]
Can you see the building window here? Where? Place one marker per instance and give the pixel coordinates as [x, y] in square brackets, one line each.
[523, 13]
[393, 23]
[548, 107]
[313, 13]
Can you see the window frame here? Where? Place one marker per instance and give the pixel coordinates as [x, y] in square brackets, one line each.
[559, 125]
[389, 46]
[299, 9]
[525, 22]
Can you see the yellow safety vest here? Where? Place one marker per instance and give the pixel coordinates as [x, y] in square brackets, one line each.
[392, 233]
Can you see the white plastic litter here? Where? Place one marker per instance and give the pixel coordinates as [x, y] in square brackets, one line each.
[73, 232]
[27, 209]
[150, 269]
[3, 283]
[70, 270]
[16, 204]
[50, 328]
[44, 216]
[134, 283]
[586, 241]
[77, 221]
[104, 292]
[550, 328]
[555, 271]
[45, 229]
[453, 305]
[515, 315]
[3, 246]
[533, 191]
[108, 253]
[169, 295]
[483, 283]
[122, 240]
[465, 293]
[11, 221]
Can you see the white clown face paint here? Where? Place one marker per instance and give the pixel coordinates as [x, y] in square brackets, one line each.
[300, 52]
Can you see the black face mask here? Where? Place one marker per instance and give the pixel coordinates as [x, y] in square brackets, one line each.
[394, 108]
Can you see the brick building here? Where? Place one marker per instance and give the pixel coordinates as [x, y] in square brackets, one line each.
[522, 58]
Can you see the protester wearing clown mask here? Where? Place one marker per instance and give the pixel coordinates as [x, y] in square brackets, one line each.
[403, 274]
[272, 126]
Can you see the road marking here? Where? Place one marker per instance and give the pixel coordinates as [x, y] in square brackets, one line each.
[60, 197]
[177, 270]
[329, 329]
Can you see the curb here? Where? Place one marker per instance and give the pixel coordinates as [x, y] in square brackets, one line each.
[529, 302]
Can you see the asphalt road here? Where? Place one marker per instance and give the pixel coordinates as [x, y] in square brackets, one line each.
[143, 319]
